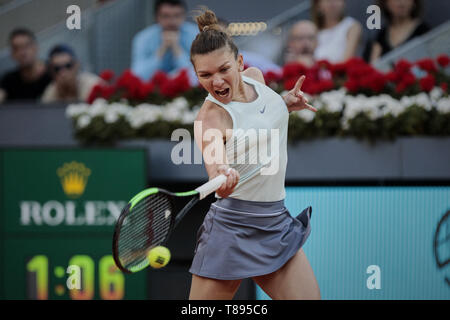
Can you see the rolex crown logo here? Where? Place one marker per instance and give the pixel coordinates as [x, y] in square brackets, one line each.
[74, 177]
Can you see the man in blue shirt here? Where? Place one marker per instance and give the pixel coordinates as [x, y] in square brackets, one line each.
[166, 45]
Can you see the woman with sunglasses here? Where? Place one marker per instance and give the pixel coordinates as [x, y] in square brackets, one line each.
[69, 83]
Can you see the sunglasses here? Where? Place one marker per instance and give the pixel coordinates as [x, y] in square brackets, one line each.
[57, 68]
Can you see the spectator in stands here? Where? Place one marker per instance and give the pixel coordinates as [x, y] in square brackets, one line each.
[339, 35]
[166, 45]
[404, 23]
[301, 43]
[29, 80]
[69, 84]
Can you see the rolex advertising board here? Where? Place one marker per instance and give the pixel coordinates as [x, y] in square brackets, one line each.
[58, 210]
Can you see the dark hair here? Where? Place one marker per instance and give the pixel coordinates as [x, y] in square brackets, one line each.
[61, 48]
[416, 11]
[212, 35]
[317, 16]
[159, 3]
[21, 32]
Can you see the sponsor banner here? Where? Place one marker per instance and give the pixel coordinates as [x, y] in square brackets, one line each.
[68, 190]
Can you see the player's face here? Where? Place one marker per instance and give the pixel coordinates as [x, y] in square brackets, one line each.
[219, 73]
[170, 17]
[23, 50]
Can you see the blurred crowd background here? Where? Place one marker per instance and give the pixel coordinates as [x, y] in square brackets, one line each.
[43, 60]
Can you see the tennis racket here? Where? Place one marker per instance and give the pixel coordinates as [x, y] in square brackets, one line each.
[148, 221]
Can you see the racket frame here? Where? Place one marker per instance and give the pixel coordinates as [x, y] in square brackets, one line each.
[174, 219]
[198, 194]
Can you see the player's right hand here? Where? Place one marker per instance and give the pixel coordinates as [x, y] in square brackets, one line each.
[228, 186]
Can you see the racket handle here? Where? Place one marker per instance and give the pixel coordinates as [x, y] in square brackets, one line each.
[211, 186]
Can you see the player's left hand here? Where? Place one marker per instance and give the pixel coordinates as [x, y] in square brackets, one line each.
[296, 100]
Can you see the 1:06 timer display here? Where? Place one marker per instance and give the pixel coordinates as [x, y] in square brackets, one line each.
[77, 279]
[71, 267]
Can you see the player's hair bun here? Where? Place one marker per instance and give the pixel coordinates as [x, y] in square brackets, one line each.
[207, 20]
[213, 35]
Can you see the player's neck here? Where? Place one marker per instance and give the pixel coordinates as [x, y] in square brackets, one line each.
[245, 93]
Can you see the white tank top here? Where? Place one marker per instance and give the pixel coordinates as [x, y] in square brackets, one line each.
[332, 42]
[262, 123]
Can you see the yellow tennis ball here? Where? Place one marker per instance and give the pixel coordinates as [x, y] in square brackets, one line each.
[158, 257]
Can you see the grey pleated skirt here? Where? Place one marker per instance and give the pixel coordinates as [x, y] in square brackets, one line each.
[242, 239]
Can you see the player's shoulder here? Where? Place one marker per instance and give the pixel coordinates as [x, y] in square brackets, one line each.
[255, 74]
[210, 109]
[212, 115]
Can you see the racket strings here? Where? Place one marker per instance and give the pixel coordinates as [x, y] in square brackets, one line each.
[248, 171]
[135, 249]
[249, 152]
[146, 217]
[146, 225]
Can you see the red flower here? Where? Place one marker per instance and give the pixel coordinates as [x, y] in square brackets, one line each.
[444, 86]
[408, 79]
[355, 61]
[427, 83]
[145, 89]
[96, 92]
[293, 70]
[271, 76]
[400, 88]
[325, 85]
[289, 83]
[312, 84]
[168, 89]
[427, 65]
[443, 60]
[159, 78]
[360, 70]
[356, 66]
[338, 68]
[375, 81]
[392, 76]
[403, 66]
[131, 83]
[108, 91]
[107, 75]
[182, 81]
[352, 85]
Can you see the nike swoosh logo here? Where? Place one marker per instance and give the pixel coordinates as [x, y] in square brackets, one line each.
[262, 111]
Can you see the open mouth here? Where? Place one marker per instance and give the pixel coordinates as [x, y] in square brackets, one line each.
[223, 93]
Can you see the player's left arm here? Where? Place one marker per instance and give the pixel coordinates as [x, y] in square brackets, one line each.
[294, 99]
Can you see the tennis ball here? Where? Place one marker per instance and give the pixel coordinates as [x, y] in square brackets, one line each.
[158, 257]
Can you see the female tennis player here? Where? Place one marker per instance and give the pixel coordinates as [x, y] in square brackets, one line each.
[248, 232]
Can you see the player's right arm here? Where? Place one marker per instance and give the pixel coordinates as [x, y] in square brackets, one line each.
[210, 134]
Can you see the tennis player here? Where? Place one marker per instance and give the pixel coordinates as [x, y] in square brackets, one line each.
[248, 232]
